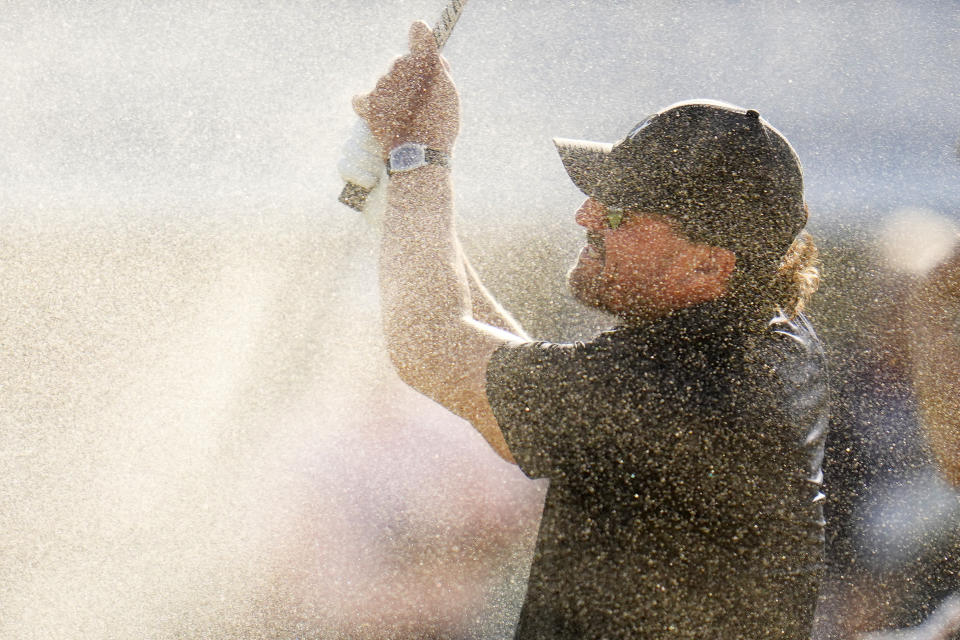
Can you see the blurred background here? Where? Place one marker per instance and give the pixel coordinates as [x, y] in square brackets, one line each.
[200, 434]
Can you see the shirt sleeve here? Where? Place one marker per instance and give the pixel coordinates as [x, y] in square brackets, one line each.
[528, 387]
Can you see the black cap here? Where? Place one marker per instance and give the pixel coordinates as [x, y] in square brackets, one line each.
[723, 173]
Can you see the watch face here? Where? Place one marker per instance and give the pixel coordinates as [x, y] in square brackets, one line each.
[407, 156]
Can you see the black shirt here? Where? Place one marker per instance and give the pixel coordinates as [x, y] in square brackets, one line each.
[684, 464]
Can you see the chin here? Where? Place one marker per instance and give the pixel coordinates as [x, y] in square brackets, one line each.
[581, 285]
[590, 293]
[587, 291]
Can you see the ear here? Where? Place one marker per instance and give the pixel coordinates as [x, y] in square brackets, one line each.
[712, 271]
[721, 262]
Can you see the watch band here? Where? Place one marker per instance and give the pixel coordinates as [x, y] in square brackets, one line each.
[439, 158]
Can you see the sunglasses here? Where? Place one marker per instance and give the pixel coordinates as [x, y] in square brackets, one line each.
[615, 217]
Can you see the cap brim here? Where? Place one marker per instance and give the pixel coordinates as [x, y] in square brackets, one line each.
[586, 162]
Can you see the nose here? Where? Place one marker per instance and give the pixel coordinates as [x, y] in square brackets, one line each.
[591, 215]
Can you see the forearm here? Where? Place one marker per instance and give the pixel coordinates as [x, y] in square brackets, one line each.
[432, 337]
[423, 283]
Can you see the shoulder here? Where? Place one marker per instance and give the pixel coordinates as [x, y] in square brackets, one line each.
[550, 378]
[531, 359]
[789, 339]
[531, 389]
[790, 363]
[537, 357]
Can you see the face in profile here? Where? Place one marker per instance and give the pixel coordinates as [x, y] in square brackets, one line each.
[641, 265]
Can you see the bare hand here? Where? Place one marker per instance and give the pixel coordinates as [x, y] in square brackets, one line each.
[416, 101]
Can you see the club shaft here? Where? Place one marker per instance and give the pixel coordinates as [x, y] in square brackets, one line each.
[448, 19]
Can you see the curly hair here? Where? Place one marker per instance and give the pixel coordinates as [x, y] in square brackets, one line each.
[798, 275]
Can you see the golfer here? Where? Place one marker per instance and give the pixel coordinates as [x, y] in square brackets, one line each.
[683, 447]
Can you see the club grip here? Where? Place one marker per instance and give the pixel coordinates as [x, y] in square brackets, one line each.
[361, 166]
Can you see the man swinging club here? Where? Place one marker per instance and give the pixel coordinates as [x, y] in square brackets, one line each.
[683, 447]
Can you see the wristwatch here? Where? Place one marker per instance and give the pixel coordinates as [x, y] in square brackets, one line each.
[413, 155]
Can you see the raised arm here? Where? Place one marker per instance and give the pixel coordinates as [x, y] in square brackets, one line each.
[935, 326]
[434, 341]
